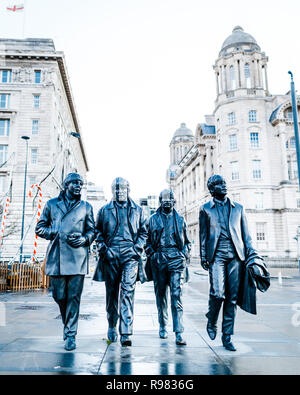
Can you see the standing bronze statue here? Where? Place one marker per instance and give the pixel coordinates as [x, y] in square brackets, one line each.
[121, 235]
[68, 222]
[167, 249]
[225, 245]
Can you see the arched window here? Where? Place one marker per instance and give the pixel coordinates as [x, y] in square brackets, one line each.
[247, 75]
[232, 78]
[254, 139]
[292, 142]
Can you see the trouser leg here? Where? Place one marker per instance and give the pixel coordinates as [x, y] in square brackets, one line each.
[59, 294]
[160, 281]
[217, 290]
[127, 290]
[176, 284]
[112, 285]
[233, 273]
[74, 291]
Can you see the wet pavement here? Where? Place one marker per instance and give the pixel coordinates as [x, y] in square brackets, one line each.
[268, 343]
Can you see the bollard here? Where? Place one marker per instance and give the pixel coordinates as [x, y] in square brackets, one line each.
[279, 277]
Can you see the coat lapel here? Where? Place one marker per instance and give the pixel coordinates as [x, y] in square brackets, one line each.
[61, 205]
[113, 209]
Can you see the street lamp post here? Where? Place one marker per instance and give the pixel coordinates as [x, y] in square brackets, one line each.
[26, 138]
[296, 126]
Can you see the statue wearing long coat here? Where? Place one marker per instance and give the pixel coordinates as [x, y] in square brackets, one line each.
[61, 258]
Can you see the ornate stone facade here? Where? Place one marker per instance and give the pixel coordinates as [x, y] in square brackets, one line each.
[36, 101]
[249, 139]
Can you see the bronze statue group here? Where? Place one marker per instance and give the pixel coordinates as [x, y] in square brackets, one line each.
[123, 237]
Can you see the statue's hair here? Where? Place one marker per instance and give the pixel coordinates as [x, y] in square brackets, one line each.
[71, 177]
[120, 180]
[165, 191]
[212, 181]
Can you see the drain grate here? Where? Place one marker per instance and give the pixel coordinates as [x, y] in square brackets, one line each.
[85, 317]
[28, 307]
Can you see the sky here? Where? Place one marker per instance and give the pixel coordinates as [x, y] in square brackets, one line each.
[139, 68]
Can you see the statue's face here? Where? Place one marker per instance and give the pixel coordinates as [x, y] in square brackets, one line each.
[167, 201]
[120, 191]
[220, 188]
[74, 187]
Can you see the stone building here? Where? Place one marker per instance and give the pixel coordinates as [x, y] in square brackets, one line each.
[35, 101]
[149, 204]
[95, 196]
[249, 139]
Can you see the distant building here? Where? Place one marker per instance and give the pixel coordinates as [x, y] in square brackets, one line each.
[95, 196]
[35, 100]
[149, 204]
[249, 139]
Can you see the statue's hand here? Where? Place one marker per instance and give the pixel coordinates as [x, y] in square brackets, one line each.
[76, 240]
[205, 265]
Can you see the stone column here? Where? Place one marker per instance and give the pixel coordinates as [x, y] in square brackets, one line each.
[217, 81]
[242, 73]
[266, 77]
[256, 81]
[284, 162]
[225, 79]
[238, 73]
[201, 175]
[208, 162]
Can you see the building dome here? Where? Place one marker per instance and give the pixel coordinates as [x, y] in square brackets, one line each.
[183, 131]
[237, 39]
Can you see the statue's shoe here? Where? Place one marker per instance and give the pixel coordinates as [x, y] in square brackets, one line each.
[211, 330]
[227, 343]
[125, 341]
[179, 340]
[163, 333]
[70, 343]
[112, 335]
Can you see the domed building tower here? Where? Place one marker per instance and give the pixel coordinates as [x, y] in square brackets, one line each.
[249, 140]
[251, 146]
[241, 68]
[182, 141]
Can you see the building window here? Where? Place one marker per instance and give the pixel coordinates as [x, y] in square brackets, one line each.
[292, 142]
[32, 180]
[233, 146]
[232, 78]
[254, 140]
[231, 118]
[293, 170]
[5, 76]
[260, 231]
[36, 101]
[3, 153]
[34, 156]
[4, 127]
[256, 169]
[289, 115]
[4, 100]
[35, 126]
[235, 175]
[247, 75]
[259, 200]
[2, 184]
[37, 76]
[252, 116]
